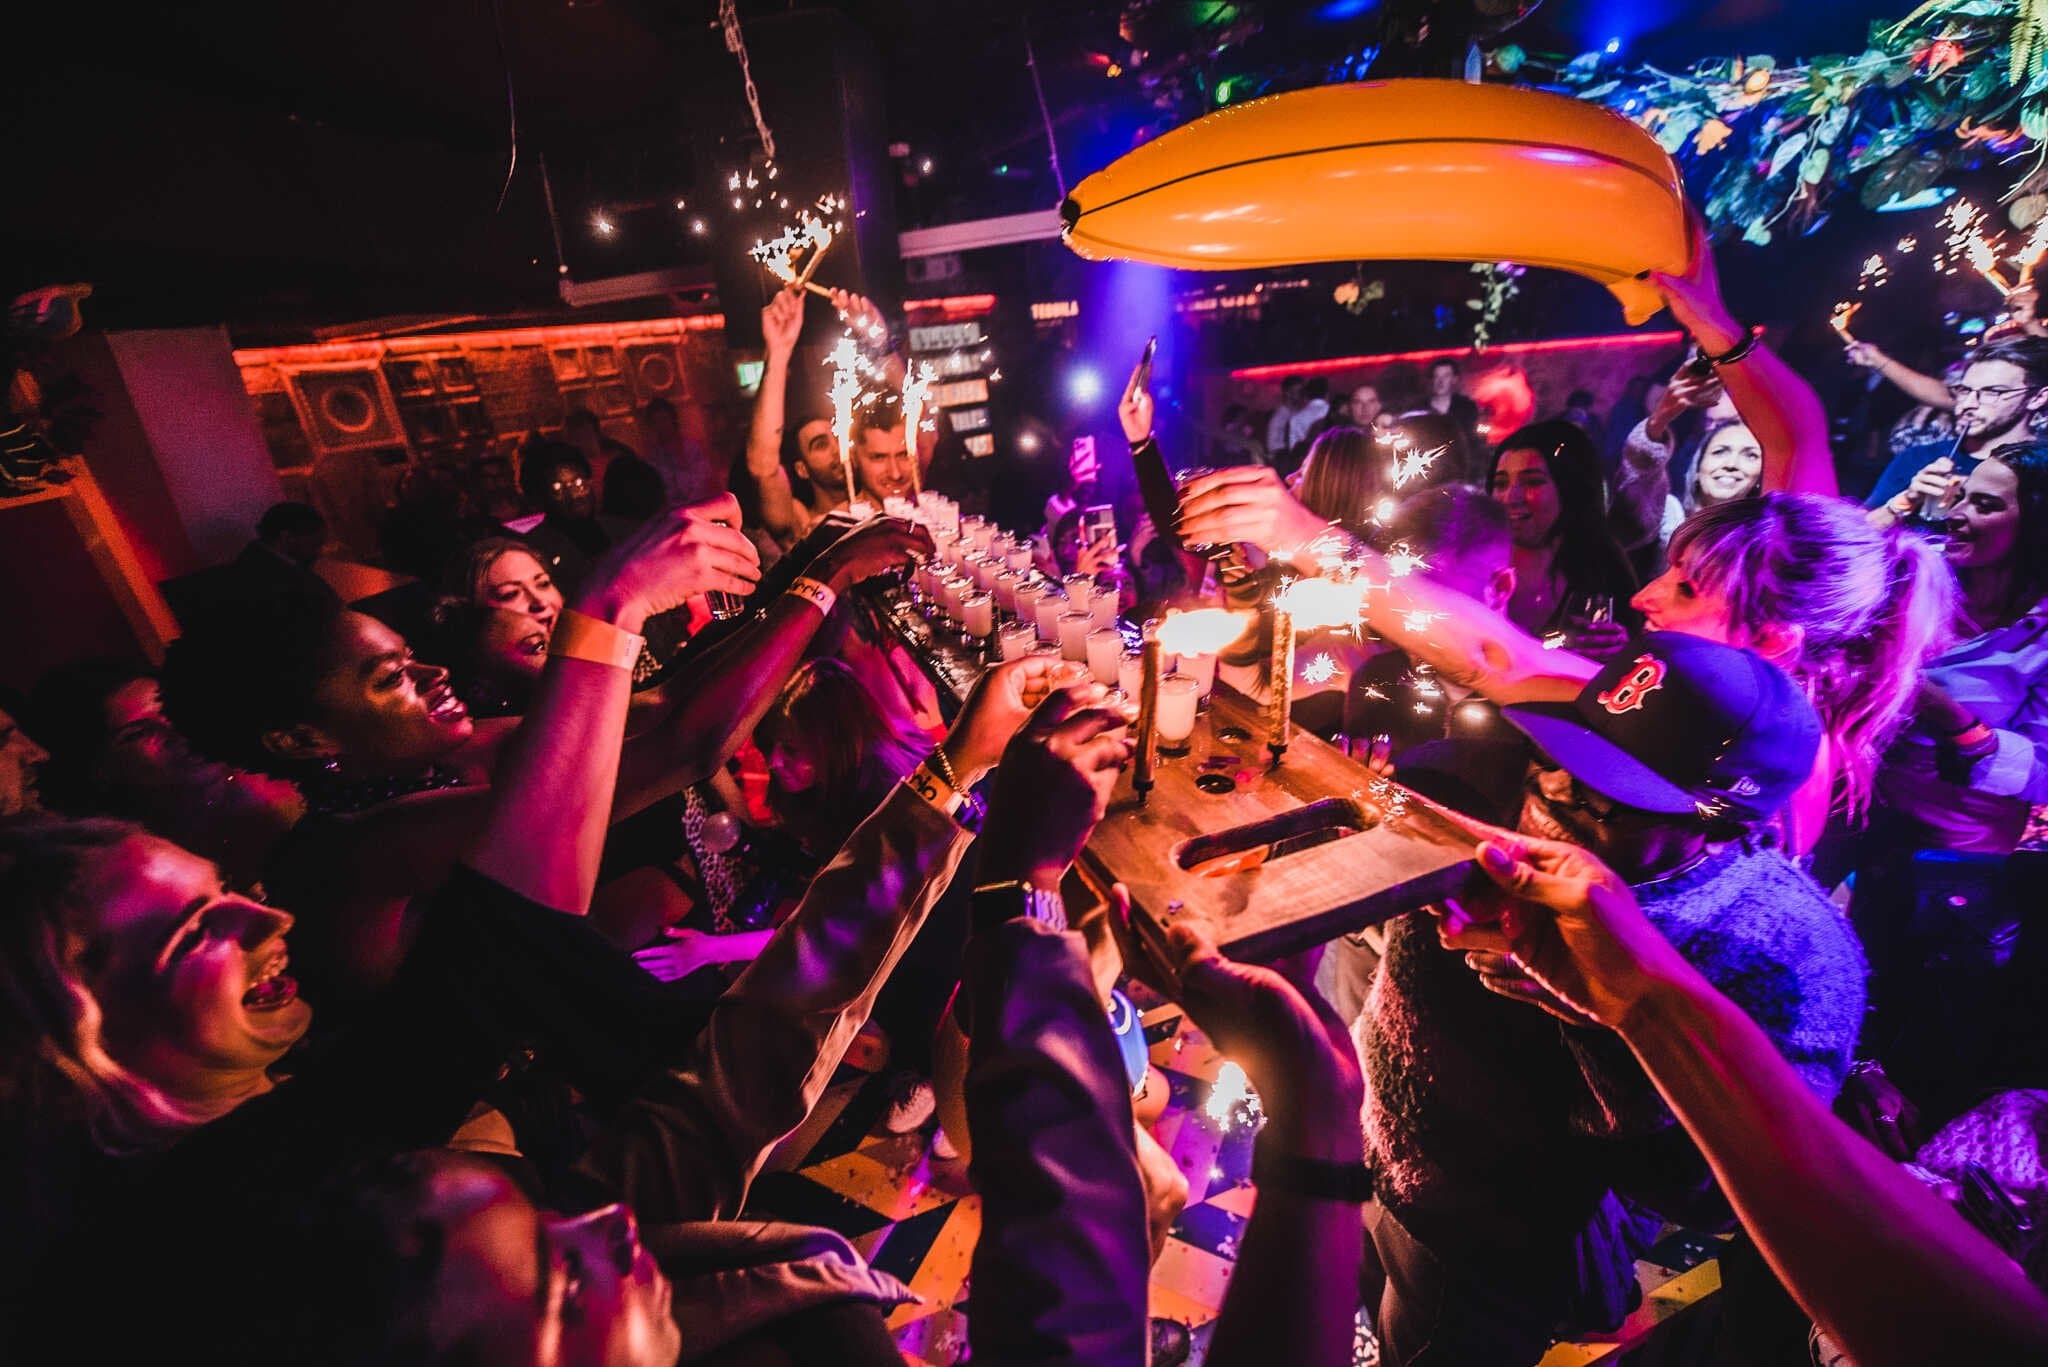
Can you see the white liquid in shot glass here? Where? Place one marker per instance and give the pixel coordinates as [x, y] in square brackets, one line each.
[1105, 653]
[1073, 635]
[1178, 696]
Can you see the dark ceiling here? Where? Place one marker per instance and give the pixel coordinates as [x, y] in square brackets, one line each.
[284, 166]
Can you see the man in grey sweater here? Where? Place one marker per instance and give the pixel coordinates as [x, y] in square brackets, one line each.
[1503, 1140]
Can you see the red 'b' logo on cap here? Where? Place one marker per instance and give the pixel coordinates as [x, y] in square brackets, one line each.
[1628, 695]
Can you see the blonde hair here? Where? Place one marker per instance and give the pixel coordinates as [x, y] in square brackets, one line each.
[56, 1061]
[1872, 608]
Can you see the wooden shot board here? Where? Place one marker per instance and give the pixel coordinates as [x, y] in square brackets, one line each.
[1408, 854]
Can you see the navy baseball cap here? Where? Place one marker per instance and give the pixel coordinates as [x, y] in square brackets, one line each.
[1679, 724]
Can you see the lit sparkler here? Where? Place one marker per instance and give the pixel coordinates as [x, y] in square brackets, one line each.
[1320, 670]
[1843, 315]
[810, 233]
[1403, 561]
[1418, 620]
[1415, 464]
[917, 387]
[1984, 260]
[1232, 1102]
[1202, 632]
[845, 361]
[1964, 223]
[1322, 604]
[2030, 255]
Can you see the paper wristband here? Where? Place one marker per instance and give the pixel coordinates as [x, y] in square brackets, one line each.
[819, 595]
[580, 637]
[926, 783]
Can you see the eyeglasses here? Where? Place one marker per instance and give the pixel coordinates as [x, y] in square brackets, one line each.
[1959, 392]
[573, 482]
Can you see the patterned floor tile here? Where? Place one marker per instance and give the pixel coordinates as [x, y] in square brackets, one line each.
[912, 1215]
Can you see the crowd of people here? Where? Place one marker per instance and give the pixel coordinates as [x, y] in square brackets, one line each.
[427, 978]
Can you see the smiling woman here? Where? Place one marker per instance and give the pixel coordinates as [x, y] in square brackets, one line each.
[1548, 477]
[159, 997]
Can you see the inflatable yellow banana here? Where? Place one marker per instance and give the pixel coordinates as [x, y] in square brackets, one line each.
[1416, 170]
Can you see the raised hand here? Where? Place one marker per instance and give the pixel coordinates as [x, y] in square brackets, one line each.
[1053, 786]
[1864, 354]
[1567, 925]
[1291, 1045]
[1100, 556]
[2024, 305]
[782, 322]
[1694, 295]
[1936, 483]
[1134, 410]
[1002, 701]
[875, 547]
[1687, 389]
[1248, 503]
[674, 557]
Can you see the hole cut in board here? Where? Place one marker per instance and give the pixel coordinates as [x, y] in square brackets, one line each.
[1248, 847]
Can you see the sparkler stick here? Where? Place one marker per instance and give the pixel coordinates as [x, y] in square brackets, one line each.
[1153, 659]
[1985, 261]
[779, 254]
[822, 238]
[1843, 315]
[1280, 706]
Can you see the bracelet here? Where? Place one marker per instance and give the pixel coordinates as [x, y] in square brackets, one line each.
[578, 636]
[1974, 741]
[930, 785]
[944, 762]
[1318, 1179]
[816, 592]
[1740, 350]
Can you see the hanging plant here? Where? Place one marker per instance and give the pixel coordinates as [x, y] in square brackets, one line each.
[1499, 281]
[1955, 83]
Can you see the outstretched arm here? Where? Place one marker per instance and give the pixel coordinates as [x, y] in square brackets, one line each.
[688, 1144]
[1464, 640]
[552, 799]
[1779, 406]
[721, 697]
[1060, 1268]
[1922, 389]
[1293, 1295]
[1892, 1273]
[781, 323]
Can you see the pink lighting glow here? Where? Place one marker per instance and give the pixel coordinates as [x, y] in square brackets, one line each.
[1336, 364]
